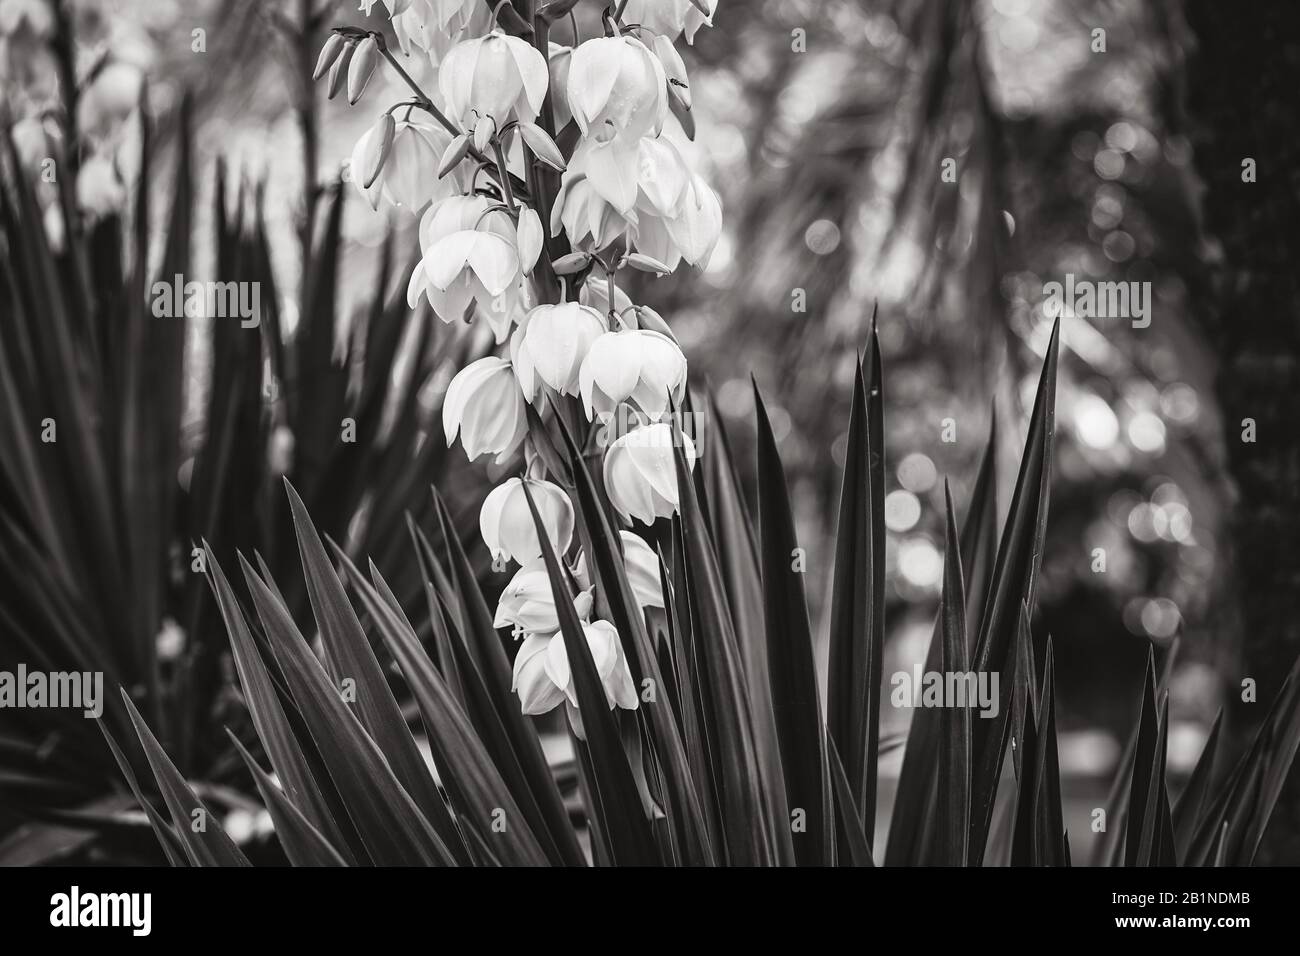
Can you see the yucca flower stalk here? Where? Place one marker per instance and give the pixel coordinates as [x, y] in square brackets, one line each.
[496, 105]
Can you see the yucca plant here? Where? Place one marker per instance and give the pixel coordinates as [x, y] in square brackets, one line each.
[700, 773]
[108, 489]
[375, 707]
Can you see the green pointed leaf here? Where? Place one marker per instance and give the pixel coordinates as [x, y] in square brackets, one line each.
[303, 844]
[791, 671]
[615, 806]
[955, 752]
[387, 819]
[1015, 576]
[200, 833]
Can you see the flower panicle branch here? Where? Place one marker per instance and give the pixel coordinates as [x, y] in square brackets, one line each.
[621, 195]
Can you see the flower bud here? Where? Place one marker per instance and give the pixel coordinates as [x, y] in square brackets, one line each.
[529, 238]
[334, 45]
[339, 71]
[559, 56]
[571, 263]
[506, 522]
[674, 70]
[639, 366]
[362, 68]
[378, 145]
[644, 263]
[648, 318]
[456, 150]
[483, 133]
[640, 475]
[23, 22]
[543, 146]
[484, 404]
[550, 344]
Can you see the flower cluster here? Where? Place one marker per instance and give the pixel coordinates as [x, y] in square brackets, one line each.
[478, 164]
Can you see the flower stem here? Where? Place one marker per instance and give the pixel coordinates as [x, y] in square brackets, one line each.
[503, 173]
[609, 276]
[422, 100]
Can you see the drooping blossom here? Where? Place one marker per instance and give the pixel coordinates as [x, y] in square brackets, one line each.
[543, 677]
[642, 567]
[671, 18]
[527, 605]
[617, 88]
[471, 255]
[484, 405]
[506, 522]
[635, 365]
[550, 344]
[640, 473]
[404, 179]
[496, 77]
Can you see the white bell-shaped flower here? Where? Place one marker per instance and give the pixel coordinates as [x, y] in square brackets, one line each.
[671, 18]
[636, 365]
[642, 567]
[404, 179]
[484, 404]
[640, 474]
[543, 676]
[496, 76]
[506, 522]
[617, 87]
[435, 26]
[100, 191]
[527, 605]
[696, 228]
[589, 220]
[549, 345]
[471, 256]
